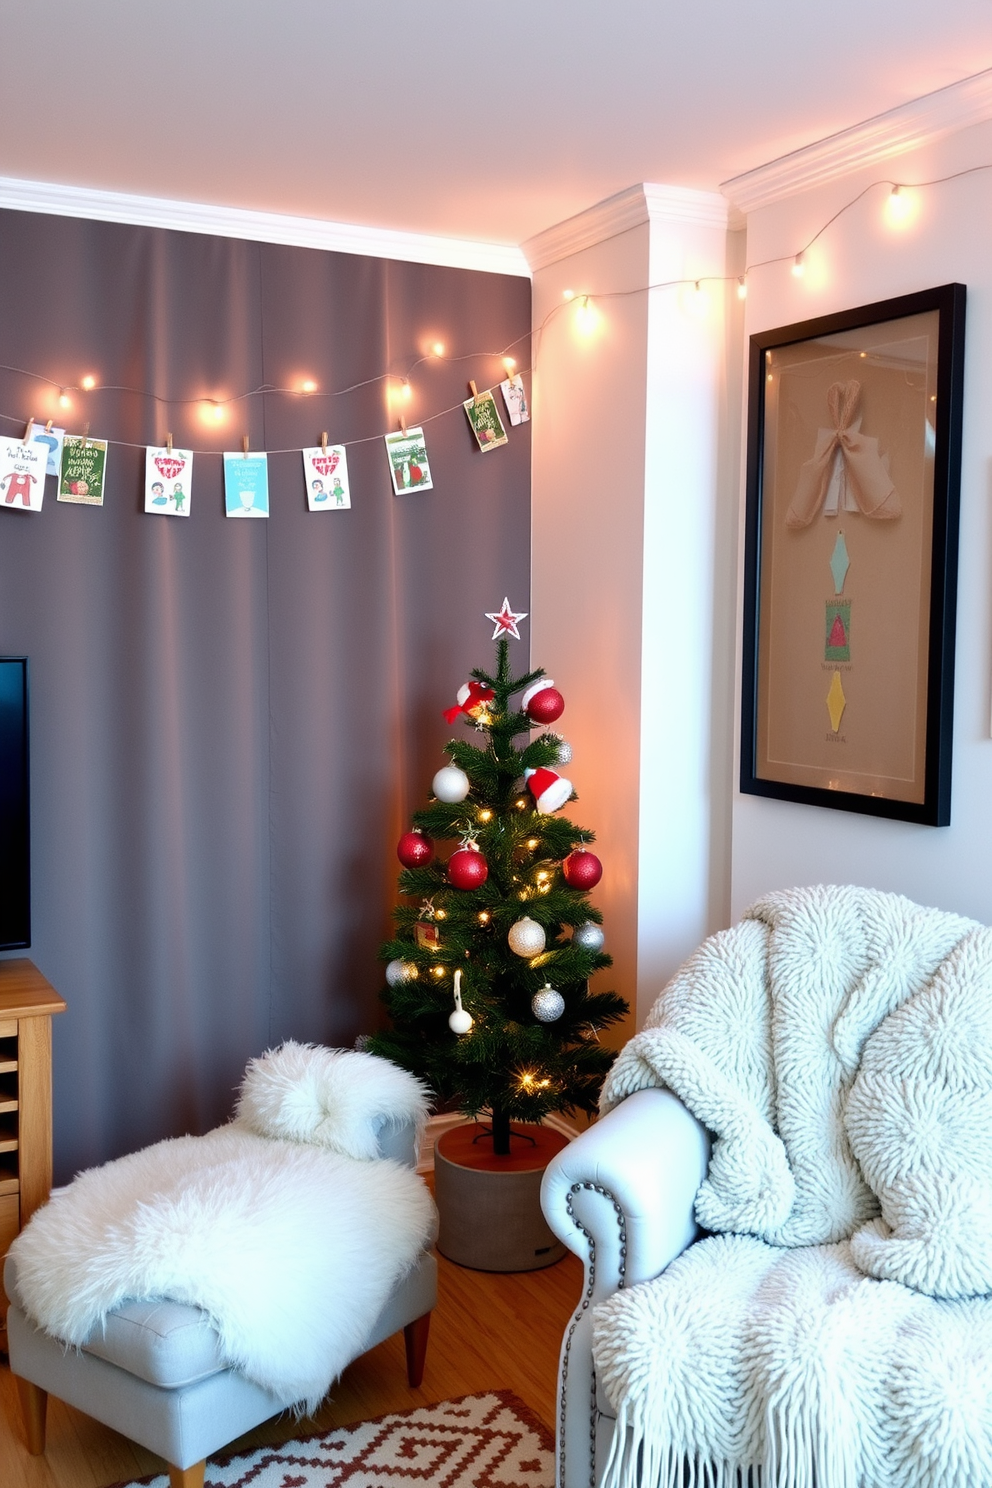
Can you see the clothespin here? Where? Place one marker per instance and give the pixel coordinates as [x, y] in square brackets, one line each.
[86, 436]
[244, 447]
[403, 425]
[168, 443]
[48, 426]
[27, 432]
[475, 392]
[323, 441]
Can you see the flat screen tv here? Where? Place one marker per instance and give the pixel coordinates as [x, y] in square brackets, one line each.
[15, 835]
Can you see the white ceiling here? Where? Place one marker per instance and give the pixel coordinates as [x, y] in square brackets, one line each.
[479, 122]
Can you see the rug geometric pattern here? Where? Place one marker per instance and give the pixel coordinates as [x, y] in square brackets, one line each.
[478, 1441]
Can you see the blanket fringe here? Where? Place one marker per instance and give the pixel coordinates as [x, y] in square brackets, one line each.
[637, 1460]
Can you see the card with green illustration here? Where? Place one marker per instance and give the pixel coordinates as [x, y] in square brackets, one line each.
[83, 473]
[487, 426]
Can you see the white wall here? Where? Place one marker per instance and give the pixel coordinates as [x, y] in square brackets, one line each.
[630, 438]
[860, 259]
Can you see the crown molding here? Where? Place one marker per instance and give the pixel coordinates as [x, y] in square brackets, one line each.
[907, 127]
[261, 227]
[635, 207]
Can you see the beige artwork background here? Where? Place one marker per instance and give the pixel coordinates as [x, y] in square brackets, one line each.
[879, 747]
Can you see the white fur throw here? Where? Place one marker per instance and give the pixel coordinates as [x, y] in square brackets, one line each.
[292, 1248]
[838, 1045]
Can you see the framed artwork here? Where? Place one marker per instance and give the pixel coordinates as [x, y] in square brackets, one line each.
[850, 564]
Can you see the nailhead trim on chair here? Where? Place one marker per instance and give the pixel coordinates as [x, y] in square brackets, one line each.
[622, 1228]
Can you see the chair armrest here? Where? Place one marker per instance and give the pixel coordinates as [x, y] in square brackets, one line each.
[398, 1140]
[621, 1195]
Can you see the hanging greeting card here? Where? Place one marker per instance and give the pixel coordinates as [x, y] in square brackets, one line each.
[325, 469]
[515, 399]
[83, 470]
[408, 461]
[168, 481]
[22, 475]
[246, 484]
[487, 426]
[51, 442]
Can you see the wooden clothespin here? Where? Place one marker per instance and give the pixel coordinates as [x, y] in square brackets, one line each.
[48, 426]
[244, 447]
[403, 425]
[27, 432]
[168, 443]
[475, 392]
[323, 441]
[86, 436]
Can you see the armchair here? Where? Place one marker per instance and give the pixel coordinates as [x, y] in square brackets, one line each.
[621, 1198]
[783, 1213]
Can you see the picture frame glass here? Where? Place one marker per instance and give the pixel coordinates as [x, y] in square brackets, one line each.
[846, 534]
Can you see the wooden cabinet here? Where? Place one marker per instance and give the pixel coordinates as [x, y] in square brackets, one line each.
[27, 1002]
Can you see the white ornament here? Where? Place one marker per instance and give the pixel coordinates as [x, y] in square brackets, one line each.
[459, 1021]
[451, 784]
[527, 937]
[547, 1005]
[589, 937]
[564, 752]
[398, 973]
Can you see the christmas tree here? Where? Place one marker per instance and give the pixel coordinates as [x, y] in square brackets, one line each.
[487, 982]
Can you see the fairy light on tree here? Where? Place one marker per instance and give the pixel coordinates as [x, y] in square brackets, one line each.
[495, 910]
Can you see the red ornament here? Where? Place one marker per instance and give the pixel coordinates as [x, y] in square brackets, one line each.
[582, 869]
[467, 868]
[545, 706]
[414, 850]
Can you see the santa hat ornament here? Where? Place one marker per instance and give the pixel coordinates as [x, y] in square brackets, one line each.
[542, 702]
[549, 789]
[473, 699]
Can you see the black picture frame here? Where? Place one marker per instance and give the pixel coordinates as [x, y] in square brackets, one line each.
[899, 702]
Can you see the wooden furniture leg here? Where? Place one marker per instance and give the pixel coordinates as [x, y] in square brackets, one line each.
[415, 1337]
[187, 1477]
[34, 1408]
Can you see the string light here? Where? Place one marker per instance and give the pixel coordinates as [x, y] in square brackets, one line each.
[510, 366]
[438, 349]
[88, 383]
[799, 266]
[309, 386]
[900, 208]
[64, 400]
[485, 815]
[742, 287]
[568, 294]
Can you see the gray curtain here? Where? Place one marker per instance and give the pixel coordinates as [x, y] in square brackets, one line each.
[232, 720]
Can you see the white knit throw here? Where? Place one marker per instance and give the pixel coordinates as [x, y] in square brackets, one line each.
[836, 1331]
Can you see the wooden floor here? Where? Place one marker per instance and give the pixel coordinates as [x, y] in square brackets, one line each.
[490, 1331]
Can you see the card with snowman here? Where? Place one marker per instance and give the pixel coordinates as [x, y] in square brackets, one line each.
[325, 470]
[168, 481]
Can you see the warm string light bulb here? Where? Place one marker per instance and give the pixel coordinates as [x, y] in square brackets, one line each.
[509, 366]
[88, 383]
[308, 386]
[438, 349]
[900, 206]
[742, 287]
[798, 266]
[64, 400]
[586, 317]
[406, 391]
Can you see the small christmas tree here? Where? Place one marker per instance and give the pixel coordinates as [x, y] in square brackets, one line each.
[487, 991]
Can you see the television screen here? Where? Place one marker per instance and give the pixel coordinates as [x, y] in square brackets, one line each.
[15, 839]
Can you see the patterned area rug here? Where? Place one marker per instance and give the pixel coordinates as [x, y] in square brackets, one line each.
[478, 1441]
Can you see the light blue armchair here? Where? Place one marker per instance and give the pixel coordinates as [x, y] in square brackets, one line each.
[621, 1197]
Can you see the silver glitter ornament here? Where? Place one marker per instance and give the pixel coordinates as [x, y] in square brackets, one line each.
[547, 1005]
[398, 973]
[564, 753]
[589, 937]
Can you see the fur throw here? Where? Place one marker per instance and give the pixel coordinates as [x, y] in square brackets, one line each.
[290, 1247]
[838, 1045]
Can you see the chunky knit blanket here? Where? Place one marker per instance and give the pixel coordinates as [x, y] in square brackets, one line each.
[836, 1329]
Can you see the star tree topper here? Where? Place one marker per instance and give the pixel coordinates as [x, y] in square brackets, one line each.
[505, 621]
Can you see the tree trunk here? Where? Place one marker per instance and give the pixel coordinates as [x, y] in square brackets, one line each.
[501, 1131]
